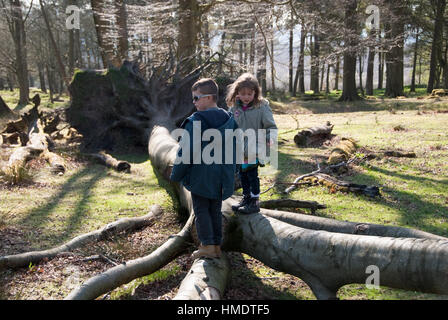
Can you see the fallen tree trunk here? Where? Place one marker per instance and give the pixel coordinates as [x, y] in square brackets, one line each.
[343, 151]
[332, 225]
[324, 260]
[290, 203]
[122, 225]
[198, 285]
[111, 162]
[312, 135]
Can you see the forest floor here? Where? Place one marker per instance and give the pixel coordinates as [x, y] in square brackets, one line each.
[51, 209]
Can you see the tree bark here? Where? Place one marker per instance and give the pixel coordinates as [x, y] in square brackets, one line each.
[105, 44]
[307, 136]
[300, 73]
[338, 259]
[121, 17]
[19, 36]
[315, 52]
[190, 24]
[370, 65]
[414, 64]
[291, 58]
[336, 73]
[436, 49]
[394, 57]
[349, 92]
[54, 45]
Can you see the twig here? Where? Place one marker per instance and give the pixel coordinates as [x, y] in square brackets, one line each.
[100, 257]
[319, 170]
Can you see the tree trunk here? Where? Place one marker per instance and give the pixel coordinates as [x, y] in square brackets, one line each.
[50, 81]
[314, 83]
[436, 49]
[273, 67]
[394, 57]
[19, 36]
[41, 72]
[336, 73]
[291, 59]
[370, 65]
[414, 64]
[105, 44]
[54, 45]
[361, 67]
[121, 17]
[300, 73]
[189, 29]
[349, 92]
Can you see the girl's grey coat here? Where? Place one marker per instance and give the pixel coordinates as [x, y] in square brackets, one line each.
[256, 117]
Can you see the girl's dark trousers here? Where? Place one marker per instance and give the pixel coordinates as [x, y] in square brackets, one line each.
[250, 181]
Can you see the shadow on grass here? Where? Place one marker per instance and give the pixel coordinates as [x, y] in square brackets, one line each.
[415, 211]
[332, 106]
[246, 285]
[136, 158]
[75, 185]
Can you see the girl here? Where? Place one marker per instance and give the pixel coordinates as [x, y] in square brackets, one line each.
[251, 111]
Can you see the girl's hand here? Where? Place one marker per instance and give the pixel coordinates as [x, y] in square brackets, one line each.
[270, 142]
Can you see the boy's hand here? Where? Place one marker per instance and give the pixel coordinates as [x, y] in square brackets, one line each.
[270, 142]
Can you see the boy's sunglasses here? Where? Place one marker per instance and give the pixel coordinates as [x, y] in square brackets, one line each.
[196, 98]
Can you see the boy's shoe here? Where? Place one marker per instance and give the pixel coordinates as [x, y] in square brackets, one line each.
[253, 206]
[242, 203]
[208, 251]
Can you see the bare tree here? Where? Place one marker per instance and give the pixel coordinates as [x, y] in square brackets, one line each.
[16, 26]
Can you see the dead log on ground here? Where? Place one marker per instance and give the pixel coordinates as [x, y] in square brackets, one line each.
[399, 154]
[290, 203]
[35, 142]
[310, 136]
[110, 162]
[343, 151]
[343, 186]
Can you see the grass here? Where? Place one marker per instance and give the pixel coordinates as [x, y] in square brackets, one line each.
[55, 209]
[11, 98]
[85, 198]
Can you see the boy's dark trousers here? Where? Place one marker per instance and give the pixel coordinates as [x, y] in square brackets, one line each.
[208, 219]
[250, 181]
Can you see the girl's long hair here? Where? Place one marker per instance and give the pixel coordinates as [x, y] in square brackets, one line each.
[246, 80]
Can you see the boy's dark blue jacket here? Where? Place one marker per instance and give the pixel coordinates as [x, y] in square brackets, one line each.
[213, 181]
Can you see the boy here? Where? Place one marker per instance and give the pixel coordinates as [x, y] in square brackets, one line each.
[209, 184]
